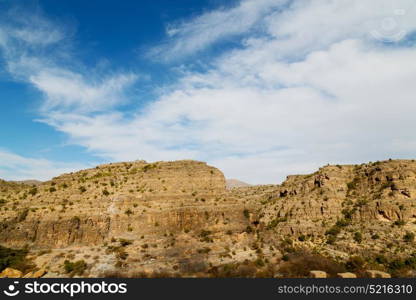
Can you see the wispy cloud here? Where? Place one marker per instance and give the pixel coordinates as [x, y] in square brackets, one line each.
[69, 91]
[36, 51]
[191, 36]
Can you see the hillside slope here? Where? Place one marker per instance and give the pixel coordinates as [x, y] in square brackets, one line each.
[178, 219]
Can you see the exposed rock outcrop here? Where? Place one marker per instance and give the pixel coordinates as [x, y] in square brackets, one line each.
[178, 217]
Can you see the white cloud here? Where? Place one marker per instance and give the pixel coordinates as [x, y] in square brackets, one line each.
[313, 87]
[66, 90]
[37, 51]
[191, 36]
[259, 116]
[16, 167]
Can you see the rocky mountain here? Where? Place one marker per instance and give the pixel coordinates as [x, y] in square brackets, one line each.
[178, 218]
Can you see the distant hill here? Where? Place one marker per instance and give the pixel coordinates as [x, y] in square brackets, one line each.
[234, 183]
[29, 182]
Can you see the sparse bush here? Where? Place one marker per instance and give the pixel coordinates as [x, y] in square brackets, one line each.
[275, 222]
[399, 223]
[259, 262]
[33, 191]
[124, 242]
[205, 236]
[23, 215]
[249, 229]
[300, 263]
[358, 237]
[343, 223]
[13, 258]
[355, 264]
[375, 236]
[204, 250]
[334, 230]
[331, 239]
[302, 238]
[409, 237]
[246, 213]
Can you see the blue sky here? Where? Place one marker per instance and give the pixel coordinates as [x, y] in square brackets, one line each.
[259, 88]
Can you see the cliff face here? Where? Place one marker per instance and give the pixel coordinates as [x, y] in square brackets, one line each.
[179, 216]
[367, 209]
[382, 191]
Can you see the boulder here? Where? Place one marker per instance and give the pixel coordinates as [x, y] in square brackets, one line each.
[36, 274]
[377, 274]
[10, 273]
[346, 275]
[317, 274]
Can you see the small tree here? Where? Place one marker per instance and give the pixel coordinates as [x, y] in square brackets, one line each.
[409, 237]
[358, 237]
[246, 213]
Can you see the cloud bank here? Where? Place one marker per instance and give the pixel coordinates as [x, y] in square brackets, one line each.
[17, 167]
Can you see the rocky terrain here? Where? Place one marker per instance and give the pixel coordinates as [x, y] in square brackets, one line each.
[173, 219]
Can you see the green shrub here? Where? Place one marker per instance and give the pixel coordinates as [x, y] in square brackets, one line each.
[75, 268]
[259, 262]
[361, 203]
[381, 259]
[302, 238]
[375, 236]
[331, 239]
[249, 229]
[124, 242]
[204, 250]
[13, 258]
[343, 223]
[22, 215]
[355, 264]
[409, 237]
[275, 222]
[33, 191]
[358, 237]
[399, 223]
[300, 263]
[246, 213]
[334, 230]
[205, 236]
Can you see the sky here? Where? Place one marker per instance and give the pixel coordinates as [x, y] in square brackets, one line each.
[261, 89]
